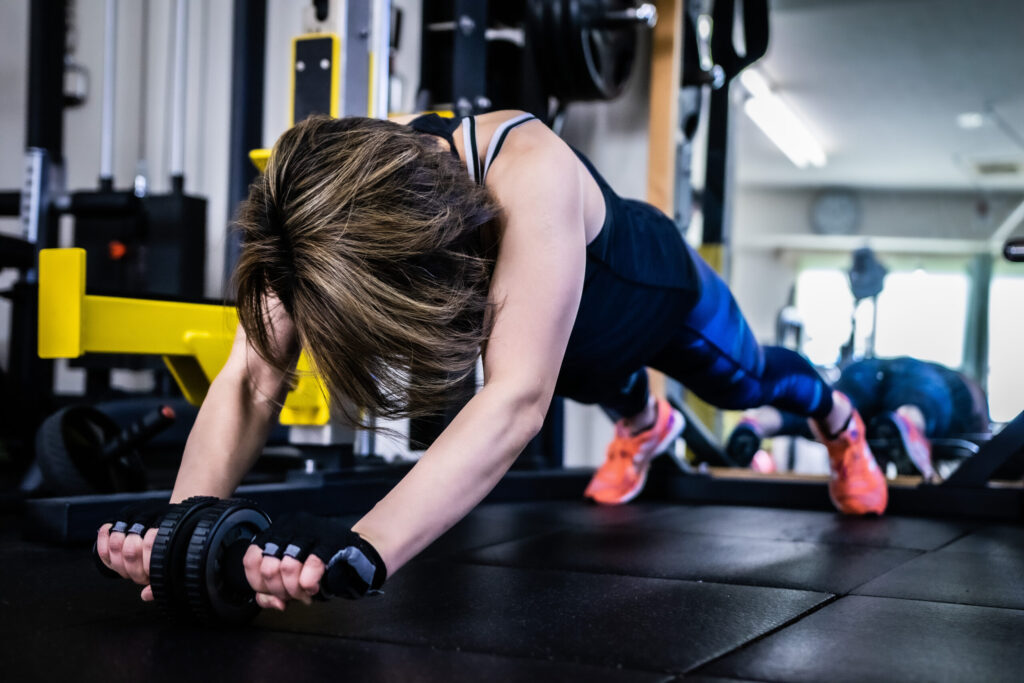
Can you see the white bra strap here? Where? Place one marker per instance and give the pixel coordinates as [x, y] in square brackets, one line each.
[499, 138]
[469, 144]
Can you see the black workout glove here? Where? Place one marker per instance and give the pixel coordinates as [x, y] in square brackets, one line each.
[354, 568]
[137, 518]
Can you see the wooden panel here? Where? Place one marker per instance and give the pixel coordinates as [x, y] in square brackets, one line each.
[663, 117]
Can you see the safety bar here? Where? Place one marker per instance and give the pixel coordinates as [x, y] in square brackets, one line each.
[193, 339]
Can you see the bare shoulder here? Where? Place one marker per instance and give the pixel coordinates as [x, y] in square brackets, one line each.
[531, 153]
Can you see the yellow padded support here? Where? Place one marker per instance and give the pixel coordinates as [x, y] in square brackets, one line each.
[259, 158]
[194, 339]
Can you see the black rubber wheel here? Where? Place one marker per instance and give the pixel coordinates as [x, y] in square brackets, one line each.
[67, 447]
[214, 576]
[167, 560]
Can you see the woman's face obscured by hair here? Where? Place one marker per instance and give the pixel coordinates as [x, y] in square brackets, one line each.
[370, 235]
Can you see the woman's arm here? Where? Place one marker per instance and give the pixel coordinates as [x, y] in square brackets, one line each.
[536, 287]
[236, 415]
[224, 443]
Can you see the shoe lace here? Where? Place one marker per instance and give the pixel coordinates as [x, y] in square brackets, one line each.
[620, 449]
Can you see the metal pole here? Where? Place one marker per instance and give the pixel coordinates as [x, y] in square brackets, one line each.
[178, 95]
[380, 50]
[248, 50]
[109, 91]
[142, 162]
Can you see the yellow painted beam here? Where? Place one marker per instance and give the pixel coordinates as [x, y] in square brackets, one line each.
[194, 339]
[61, 293]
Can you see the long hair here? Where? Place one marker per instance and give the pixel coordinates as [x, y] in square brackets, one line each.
[376, 242]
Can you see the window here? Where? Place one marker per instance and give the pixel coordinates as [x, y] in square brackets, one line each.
[825, 303]
[1005, 344]
[922, 311]
[923, 314]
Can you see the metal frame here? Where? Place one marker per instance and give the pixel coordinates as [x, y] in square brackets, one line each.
[76, 519]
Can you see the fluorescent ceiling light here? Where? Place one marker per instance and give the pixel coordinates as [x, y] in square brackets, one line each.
[970, 120]
[779, 123]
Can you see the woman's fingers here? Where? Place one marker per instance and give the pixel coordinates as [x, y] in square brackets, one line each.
[312, 571]
[103, 543]
[252, 562]
[147, 548]
[270, 570]
[132, 553]
[114, 546]
[147, 594]
[267, 601]
[290, 571]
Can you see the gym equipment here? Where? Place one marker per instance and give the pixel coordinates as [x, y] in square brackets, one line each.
[196, 569]
[585, 48]
[1013, 249]
[79, 449]
[194, 339]
[867, 278]
[517, 55]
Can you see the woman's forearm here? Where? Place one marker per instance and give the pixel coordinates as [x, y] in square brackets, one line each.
[455, 474]
[227, 438]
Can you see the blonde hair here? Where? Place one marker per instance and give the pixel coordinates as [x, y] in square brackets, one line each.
[381, 248]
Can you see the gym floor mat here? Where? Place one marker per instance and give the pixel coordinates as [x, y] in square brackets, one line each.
[570, 591]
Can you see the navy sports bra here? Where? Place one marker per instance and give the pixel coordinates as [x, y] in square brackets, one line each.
[637, 242]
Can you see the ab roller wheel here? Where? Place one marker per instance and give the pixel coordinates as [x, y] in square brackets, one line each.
[195, 568]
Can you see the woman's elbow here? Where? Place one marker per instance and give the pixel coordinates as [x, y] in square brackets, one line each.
[531, 410]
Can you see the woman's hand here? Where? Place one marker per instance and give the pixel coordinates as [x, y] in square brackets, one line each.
[279, 581]
[127, 554]
[125, 544]
[301, 556]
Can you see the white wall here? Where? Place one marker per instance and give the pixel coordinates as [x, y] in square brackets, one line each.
[13, 77]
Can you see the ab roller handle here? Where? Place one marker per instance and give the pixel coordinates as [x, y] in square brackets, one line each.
[196, 569]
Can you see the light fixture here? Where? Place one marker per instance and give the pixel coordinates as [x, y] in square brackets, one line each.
[779, 123]
[971, 120]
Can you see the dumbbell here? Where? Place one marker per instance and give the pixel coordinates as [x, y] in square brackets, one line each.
[195, 568]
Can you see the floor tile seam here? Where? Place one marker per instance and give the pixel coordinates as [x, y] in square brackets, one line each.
[886, 572]
[972, 553]
[932, 601]
[482, 563]
[701, 668]
[790, 540]
[435, 647]
[952, 541]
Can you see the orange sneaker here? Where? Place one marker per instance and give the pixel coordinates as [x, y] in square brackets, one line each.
[623, 475]
[856, 484]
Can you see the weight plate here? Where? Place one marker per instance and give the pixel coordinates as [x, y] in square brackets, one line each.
[214, 577]
[166, 562]
[580, 56]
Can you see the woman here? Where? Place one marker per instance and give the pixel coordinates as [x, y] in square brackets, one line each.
[394, 254]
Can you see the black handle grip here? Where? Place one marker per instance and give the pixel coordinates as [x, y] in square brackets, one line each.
[139, 432]
[1013, 250]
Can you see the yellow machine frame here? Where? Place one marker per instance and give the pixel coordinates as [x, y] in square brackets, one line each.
[193, 339]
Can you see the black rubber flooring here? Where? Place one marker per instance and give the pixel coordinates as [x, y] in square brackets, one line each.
[568, 591]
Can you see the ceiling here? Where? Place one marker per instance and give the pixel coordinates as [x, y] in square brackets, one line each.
[880, 84]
